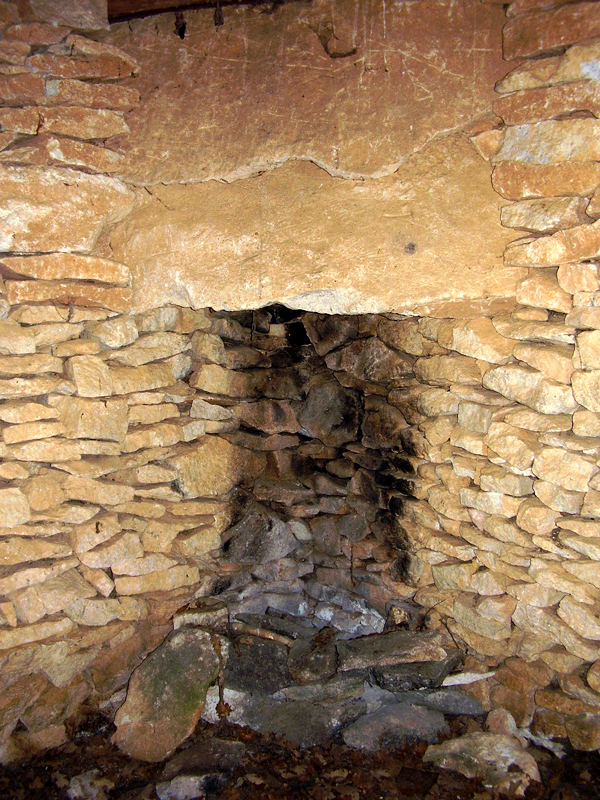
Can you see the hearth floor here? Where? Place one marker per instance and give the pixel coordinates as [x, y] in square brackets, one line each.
[273, 770]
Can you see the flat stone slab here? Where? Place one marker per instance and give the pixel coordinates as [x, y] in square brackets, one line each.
[420, 675]
[259, 666]
[205, 755]
[166, 695]
[388, 649]
[393, 726]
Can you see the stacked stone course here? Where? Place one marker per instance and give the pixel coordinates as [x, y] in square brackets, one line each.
[450, 459]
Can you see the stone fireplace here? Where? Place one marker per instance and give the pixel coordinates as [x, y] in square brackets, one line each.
[299, 344]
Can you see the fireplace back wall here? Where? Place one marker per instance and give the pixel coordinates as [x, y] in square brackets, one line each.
[434, 441]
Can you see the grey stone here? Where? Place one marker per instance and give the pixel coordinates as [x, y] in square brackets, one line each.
[314, 659]
[448, 701]
[282, 626]
[353, 527]
[387, 649]
[424, 675]
[302, 723]
[343, 686]
[190, 787]
[166, 695]
[328, 331]
[394, 726]
[331, 413]
[260, 537]
[205, 754]
[257, 666]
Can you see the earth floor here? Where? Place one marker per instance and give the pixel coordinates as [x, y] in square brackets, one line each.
[274, 770]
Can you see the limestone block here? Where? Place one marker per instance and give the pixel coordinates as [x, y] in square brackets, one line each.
[557, 498]
[475, 417]
[100, 611]
[32, 430]
[469, 611]
[442, 370]
[270, 416]
[545, 215]
[451, 577]
[53, 334]
[92, 419]
[496, 479]
[446, 504]
[50, 450]
[593, 676]
[216, 380]
[588, 347]
[541, 290]
[544, 622]
[371, 360]
[500, 528]
[573, 245]
[470, 441]
[148, 415]
[578, 277]
[141, 379]
[29, 365]
[553, 360]
[586, 423]
[43, 492]
[585, 571]
[586, 389]
[589, 547]
[34, 633]
[580, 617]
[543, 31]
[435, 402]
[529, 387]
[122, 548]
[68, 267]
[151, 347]
[161, 581]
[80, 122]
[535, 594]
[213, 466]
[584, 318]
[476, 338]
[534, 517]
[82, 294]
[516, 180]
[64, 209]
[35, 315]
[532, 421]
[554, 576]
[535, 331]
[569, 470]
[402, 335]
[490, 502]
[14, 507]
[92, 491]
[153, 562]
[515, 446]
[579, 62]
[51, 596]
[90, 375]
[351, 220]
[33, 387]
[161, 435]
[535, 105]
[15, 340]
[487, 143]
[99, 530]
[437, 431]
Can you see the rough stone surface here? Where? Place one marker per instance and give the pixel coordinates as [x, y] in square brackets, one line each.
[65, 215]
[294, 59]
[338, 237]
[166, 695]
[394, 726]
[544, 31]
[213, 467]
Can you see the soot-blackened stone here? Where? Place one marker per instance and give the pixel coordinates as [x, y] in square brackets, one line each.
[258, 666]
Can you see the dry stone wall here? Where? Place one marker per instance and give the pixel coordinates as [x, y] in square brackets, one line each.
[449, 459]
